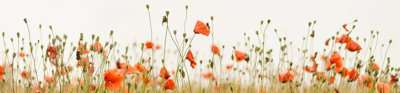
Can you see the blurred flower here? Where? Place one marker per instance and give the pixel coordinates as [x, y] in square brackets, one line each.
[164, 73]
[51, 52]
[214, 49]
[353, 46]
[201, 28]
[169, 84]
[382, 87]
[113, 79]
[342, 39]
[240, 56]
[283, 78]
[25, 74]
[353, 75]
[189, 56]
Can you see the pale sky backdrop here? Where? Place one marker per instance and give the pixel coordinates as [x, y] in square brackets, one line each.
[129, 19]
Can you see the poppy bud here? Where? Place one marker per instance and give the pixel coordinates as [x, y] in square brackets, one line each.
[18, 34]
[40, 26]
[51, 27]
[309, 24]
[25, 20]
[167, 13]
[212, 18]
[111, 32]
[186, 7]
[390, 41]
[3, 34]
[165, 19]
[147, 6]
[268, 21]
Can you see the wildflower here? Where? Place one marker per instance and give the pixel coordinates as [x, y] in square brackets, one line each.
[209, 75]
[353, 75]
[343, 39]
[353, 46]
[82, 49]
[49, 79]
[164, 73]
[126, 68]
[141, 68]
[285, 77]
[228, 67]
[201, 28]
[215, 49]
[22, 54]
[327, 42]
[169, 84]
[311, 69]
[51, 52]
[367, 80]
[25, 74]
[1, 72]
[240, 56]
[374, 66]
[189, 56]
[332, 80]
[344, 26]
[149, 45]
[113, 79]
[104, 52]
[158, 47]
[393, 78]
[216, 88]
[344, 72]
[336, 59]
[96, 46]
[382, 87]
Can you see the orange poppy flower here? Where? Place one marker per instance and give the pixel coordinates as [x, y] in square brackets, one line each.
[283, 78]
[164, 73]
[336, 59]
[344, 72]
[126, 68]
[332, 80]
[353, 46]
[374, 66]
[311, 69]
[25, 74]
[51, 52]
[1, 72]
[228, 67]
[169, 84]
[353, 75]
[22, 54]
[141, 68]
[82, 49]
[382, 87]
[367, 80]
[113, 79]
[393, 79]
[104, 52]
[344, 26]
[96, 46]
[320, 76]
[216, 88]
[201, 28]
[343, 39]
[149, 45]
[240, 56]
[49, 79]
[214, 49]
[189, 56]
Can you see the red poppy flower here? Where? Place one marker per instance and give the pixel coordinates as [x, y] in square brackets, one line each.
[353, 46]
[51, 52]
[96, 46]
[327, 42]
[22, 54]
[367, 80]
[164, 73]
[126, 68]
[353, 75]
[83, 62]
[311, 69]
[25, 74]
[149, 45]
[283, 78]
[332, 80]
[240, 56]
[344, 26]
[201, 28]
[141, 68]
[228, 67]
[382, 87]
[336, 59]
[343, 39]
[344, 72]
[169, 84]
[113, 79]
[1, 72]
[393, 79]
[214, 49]
[209, 75]
[374, 66]
[189, 56]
